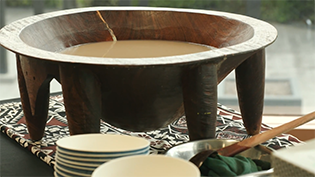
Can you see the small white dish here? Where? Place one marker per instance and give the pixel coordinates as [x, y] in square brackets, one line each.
[147, 166]
[86, 164]
[97, 159]
[101, 155]
[96, 143]
[83, 160]
[60, 173]
[68, 172]
[75, 166]
[75, 170]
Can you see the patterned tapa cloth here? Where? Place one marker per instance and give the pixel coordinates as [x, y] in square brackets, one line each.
[12, 123]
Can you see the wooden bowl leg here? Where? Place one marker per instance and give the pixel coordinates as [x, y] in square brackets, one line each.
[34, 85]
[200, 101]
[250, 81]
[82, 98]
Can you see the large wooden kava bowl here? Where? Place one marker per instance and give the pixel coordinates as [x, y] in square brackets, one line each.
[139, 94]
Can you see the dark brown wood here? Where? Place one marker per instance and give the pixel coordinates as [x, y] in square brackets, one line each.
[250, 81]
[138, 94]
[200, 101]
[130, 99]
[33, 79]
[82, 98]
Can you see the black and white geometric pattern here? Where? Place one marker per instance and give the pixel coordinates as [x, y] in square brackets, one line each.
[12, 123]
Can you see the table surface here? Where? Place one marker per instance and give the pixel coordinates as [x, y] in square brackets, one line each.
[15, 161]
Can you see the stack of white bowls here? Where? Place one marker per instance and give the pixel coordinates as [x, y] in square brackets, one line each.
[80, 155]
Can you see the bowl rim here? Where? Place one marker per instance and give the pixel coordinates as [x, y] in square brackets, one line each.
[67, 143]
[194, 168]
[76, 170]
[86, 164]
[76, 166]
[174, 148]
[264, 35]
[73, 173]
[98, 157]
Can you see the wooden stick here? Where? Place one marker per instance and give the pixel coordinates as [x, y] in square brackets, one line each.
[241, 146]
[263, 137]
[260, 138]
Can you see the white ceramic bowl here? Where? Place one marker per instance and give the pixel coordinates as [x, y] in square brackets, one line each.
[62, 173]
[147, 166]
[79, 163]
[97, 143]
[101, 155]
[96, 159]
[76, 166]
[74, 171]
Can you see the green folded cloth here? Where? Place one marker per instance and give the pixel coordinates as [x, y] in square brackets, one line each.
[217, 165]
